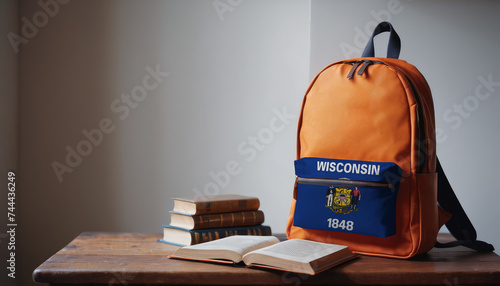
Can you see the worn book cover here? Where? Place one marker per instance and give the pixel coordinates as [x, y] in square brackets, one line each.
[218, 220]
[183, 237]
[195, 205]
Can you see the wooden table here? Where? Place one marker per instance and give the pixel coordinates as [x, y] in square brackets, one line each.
[133, 258]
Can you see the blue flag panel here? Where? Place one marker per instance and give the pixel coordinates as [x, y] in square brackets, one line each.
[347, 196]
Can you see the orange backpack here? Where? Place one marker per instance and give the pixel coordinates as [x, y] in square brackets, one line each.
[367, 172]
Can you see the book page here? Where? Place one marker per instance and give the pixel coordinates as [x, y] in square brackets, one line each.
[300, 250]
[237, 243]
[240, 244]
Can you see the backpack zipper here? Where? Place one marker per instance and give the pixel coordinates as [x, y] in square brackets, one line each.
[343, 182]
[366, 63]
[355, 65]
[363, 67]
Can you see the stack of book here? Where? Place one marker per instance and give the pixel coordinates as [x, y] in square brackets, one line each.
[200, 219]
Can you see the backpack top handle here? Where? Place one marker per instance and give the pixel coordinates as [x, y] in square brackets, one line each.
[394, 46]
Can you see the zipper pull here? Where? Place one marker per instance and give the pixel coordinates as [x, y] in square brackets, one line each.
[363, 67]
[355, 65]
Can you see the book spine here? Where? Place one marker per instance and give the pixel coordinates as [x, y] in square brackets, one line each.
[231, 219]
[204, 235]
[227, 206]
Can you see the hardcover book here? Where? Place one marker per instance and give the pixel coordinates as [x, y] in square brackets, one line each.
[183, 237]
[195, 205]
[294, 255]
[219, 220]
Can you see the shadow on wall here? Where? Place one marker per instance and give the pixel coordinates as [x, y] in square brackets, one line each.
[71, 124]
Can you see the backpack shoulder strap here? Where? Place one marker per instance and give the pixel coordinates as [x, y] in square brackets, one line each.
[459, 225]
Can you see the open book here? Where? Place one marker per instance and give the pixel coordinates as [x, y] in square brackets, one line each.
[294, 255]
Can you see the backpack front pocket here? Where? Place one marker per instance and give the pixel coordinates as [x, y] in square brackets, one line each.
[347, 196]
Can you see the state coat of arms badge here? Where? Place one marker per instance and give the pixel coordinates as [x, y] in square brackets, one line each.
[342, 199]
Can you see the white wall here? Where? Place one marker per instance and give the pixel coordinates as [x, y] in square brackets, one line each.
[8, 121]
[228, 75]
[453, 44]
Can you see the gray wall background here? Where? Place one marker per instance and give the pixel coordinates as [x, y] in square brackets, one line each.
[232, 70]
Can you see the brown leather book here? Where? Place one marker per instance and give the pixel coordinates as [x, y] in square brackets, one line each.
[245, 218]
[195, 205]
[180, 236]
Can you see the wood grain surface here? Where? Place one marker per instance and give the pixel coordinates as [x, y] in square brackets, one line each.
[135, 258]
